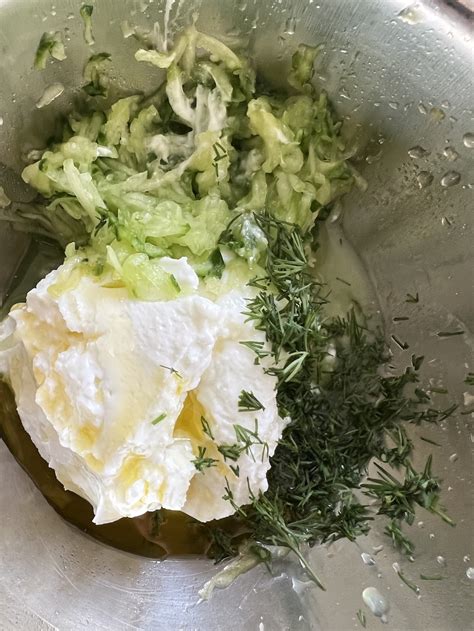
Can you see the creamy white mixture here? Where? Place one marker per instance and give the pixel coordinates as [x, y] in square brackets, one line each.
[112, 391]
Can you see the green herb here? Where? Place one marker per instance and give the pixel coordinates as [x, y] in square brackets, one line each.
[159, 418]
[202, 462]
[403, 345]
[337, 426]
[449, 333]
[341, 280]
[245, 438]
[86, 14]
[428, 440]
[400, 319]
[206, 428]
[361, 617]
[413, 586]
[414, 299]
[469, 380]
[173, 371]
[437, 577]
[230, 452]
[248, 402]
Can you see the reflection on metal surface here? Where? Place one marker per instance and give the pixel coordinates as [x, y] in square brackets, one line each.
[51, 575]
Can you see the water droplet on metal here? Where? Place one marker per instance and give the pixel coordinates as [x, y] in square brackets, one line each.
[394, 105]
[410, 15]
[424, 179]
[1, 121]
[374, 158]
[453, 457]
[470, 573]
[466, 558]
[290, 26]
[301, 586]
[468, 140]
[367, 559]
[422, 108]
[396, 567]
[451, 178]
[432, 535]
[418, 152]
[450, 154]
[51, 93]
[421, 524]
[440, 560]
[375, 601]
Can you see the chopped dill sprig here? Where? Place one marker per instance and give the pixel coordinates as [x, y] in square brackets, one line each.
[345, 414]
[159, 418]
[361, 617]
[248, 402]
[201, 462]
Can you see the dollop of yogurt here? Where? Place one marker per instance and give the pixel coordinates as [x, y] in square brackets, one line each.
[123, 396]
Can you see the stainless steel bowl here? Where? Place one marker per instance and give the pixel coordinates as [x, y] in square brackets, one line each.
[401, 74]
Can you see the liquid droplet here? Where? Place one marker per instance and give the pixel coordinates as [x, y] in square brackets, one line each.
[422, 108]
[451, 178]
[466, 558]
[367, 559]
[418, 152]
[468, 140]
[393, 105]
[421, 524]
[440, 560]
[290, 26]
[450, 154]
[1, 121]
[453, 457]
[51, 93]
[375, 601]
[410, 15]
[424, 179]
[301, 586]
[470, 573]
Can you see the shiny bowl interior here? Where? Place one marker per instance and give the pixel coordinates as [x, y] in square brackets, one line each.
[400, 74]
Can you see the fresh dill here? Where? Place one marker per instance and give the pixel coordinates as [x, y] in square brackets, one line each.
[409, 583]
[159, 418]
[402, 345]
[449, 333]
[202, 462]
[361, 617]
[413, 298]
[206, 428]
[344, 415]
[248, 402]
[173, 371]
[245, 439]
